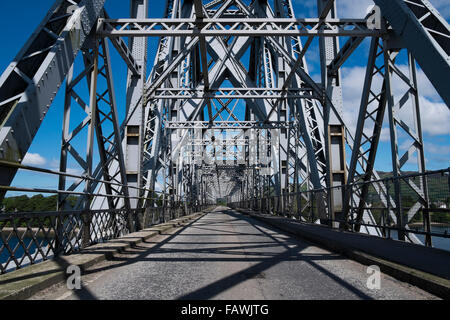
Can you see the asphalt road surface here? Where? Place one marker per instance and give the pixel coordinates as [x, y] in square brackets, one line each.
[225, 255]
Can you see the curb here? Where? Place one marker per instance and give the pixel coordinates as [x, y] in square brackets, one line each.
[23, 283]
[431, 283]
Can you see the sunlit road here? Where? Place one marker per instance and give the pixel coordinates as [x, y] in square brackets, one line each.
[225, 255]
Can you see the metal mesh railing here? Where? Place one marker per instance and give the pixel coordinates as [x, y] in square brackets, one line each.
[31, 237]
[27, 238]
[421, 213]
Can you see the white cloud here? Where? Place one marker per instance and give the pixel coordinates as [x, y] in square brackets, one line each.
[352, 8]
[385, 135]
[75, 171]
[443, 7]
[358, 8]
[34, 159]
[345, 8]
[436, 149]
[435, 115]
[54, 165]
[405, 145]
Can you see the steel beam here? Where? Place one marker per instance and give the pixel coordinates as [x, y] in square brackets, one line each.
[426, 34]
[235, 27]
[134, 130]
[233, 93]
[30, 83]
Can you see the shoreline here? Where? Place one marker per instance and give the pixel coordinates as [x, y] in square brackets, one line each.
[432, 224]
[24, 232]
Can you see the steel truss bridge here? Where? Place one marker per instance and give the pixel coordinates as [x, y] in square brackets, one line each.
[228, 112]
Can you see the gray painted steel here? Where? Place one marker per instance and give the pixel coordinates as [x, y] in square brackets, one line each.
[236, 68]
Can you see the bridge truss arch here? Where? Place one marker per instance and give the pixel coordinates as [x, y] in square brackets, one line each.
[229, 110]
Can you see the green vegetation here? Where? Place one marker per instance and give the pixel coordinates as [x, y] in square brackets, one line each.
[37, 203]
[438, 187]
[221, 202]
[438, 192]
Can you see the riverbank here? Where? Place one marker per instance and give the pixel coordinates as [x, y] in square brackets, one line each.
[23, 232]
[433, 224]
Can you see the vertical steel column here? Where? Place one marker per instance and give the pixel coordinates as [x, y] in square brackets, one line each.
[413, 131]
[371, 114]
[333, 128]
[134, 129]
[414, 96]
[86, 237]
[65, 138]
[29, 85]
[61, 205]
[394, 141]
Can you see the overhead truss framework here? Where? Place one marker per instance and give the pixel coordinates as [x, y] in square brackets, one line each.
[229, 109]
[235, 27]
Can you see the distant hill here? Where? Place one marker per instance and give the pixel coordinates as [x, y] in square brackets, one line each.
[388, 174]
[438, 187]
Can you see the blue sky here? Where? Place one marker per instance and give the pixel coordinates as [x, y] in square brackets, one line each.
[18, 22]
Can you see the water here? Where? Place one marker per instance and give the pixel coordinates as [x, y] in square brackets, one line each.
[438, 242]
[4, 255]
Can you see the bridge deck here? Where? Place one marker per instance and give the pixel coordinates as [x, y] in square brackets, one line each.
[225, 255]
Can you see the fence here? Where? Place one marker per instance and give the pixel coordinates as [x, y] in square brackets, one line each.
[414, 207]
[30, 237]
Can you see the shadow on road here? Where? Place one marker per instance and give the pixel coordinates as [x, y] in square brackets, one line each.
[266, 263]
[247, 251]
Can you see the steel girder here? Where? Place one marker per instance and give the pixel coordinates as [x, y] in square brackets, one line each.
[336, 174]
[109, 138]
[134, 129]
[154, 140]
[100, 118]
[191, 109]
[30, 83]
[426, 34]
[202, 46]
[233, 93]
[397, 122]
[157, 144]
[269, 75]
[235, 27]
[125, 52]
[305, 111]
[365, 147]
[378, 100]
[101, 122]
[228, 125]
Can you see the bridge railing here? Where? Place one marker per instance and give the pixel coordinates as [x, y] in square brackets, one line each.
[422, 215]
[31, 237]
